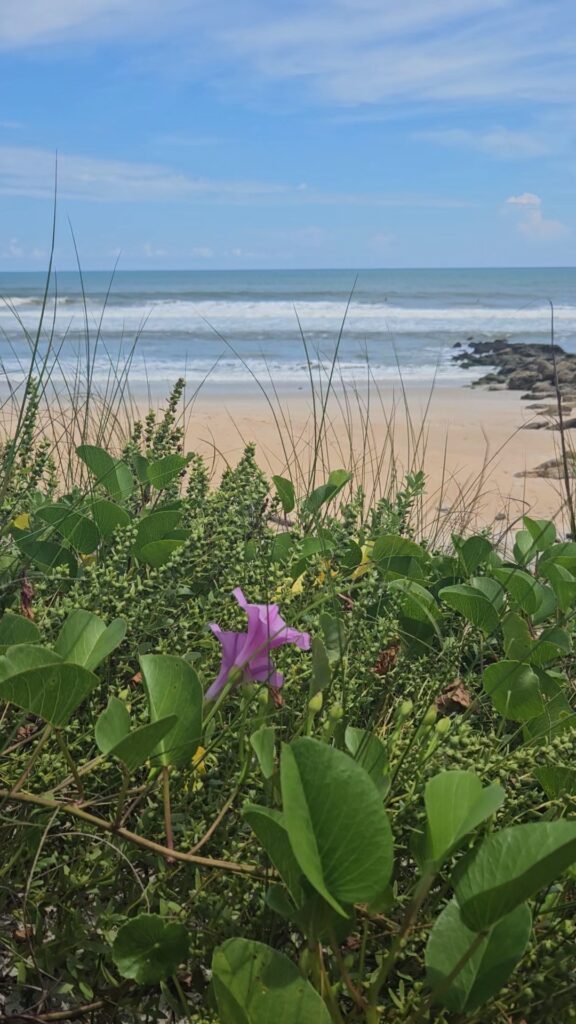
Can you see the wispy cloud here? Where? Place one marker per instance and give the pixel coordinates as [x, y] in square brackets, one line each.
[530, 220]
[502, 143]
[31, 172]
[346, 52]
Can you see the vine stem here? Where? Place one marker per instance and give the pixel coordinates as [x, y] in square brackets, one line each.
[70, 762]
[131, 837]
[410, 916]
[33, 758]
[167, 807]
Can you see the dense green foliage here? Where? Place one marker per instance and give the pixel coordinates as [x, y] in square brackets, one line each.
[389, 836]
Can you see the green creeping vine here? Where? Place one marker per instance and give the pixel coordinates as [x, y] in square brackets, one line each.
[389, 807]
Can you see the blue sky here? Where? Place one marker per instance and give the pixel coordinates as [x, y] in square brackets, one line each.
[259, 133]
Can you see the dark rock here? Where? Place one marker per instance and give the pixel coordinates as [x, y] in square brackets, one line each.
[568, 424]
[534, 425]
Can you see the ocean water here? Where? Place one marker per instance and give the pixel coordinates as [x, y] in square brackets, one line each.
[224, 326]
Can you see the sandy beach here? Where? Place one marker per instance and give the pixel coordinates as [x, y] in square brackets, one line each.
[470, 443]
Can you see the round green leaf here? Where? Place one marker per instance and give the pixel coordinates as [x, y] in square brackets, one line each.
[147, 950]
[514, 690]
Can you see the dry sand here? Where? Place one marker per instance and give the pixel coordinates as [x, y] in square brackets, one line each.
[468, 442]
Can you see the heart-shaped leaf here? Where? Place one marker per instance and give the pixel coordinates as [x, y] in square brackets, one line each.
[473, 605]
[140, 744]
[85, 640]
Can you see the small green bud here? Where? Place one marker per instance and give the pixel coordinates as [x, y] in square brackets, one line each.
[430, 716]
[406, 708]
[315, 703]
[443, 726]
[336, 712]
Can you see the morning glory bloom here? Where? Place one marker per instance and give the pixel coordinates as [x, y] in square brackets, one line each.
[247, 655]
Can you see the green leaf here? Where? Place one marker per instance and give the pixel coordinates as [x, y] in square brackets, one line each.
[76, 527]
[510, 867]
[286, 493]
[562, 582]
[112, 725]
[140, 744]
[327, 492]
[524, 549]
[518, 640]
[162, 472]
[148, 950]
[52, 690]
[557, 780]
[514, 690]
[173, 688]
[369, 752]
[154, 527]
[542, 532]
[418, 604]
[16, 629]
[85, 640]
[334, 637]
[474, 552]
[47, 555]
[551, 644]
[115, 476]
[256, 985]
[281, 548]
[269, 827]
[456, 803]
[469, 602]
[398, 557]
[522, 588]
[321, 673]
[262, 742]
[338, 828]
[108, 516]
[489, 967]
[159, 551]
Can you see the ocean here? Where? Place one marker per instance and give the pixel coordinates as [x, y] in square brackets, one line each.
[225, 326]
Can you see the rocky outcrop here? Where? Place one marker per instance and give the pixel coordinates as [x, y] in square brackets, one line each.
[543, 373]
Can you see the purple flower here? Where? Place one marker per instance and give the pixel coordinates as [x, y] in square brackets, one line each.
[248, 654]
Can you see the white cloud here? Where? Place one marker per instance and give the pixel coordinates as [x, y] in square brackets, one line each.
[30, 172]
[348, 52]
[502, 143]
[530, 220]
[525, 199]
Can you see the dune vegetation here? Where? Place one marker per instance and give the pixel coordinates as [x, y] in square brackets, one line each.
[269, 750]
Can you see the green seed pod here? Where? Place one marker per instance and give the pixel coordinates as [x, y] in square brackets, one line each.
[315, 703]
[443, 726]
[430, 716]
[336, 712]
[405, 710]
